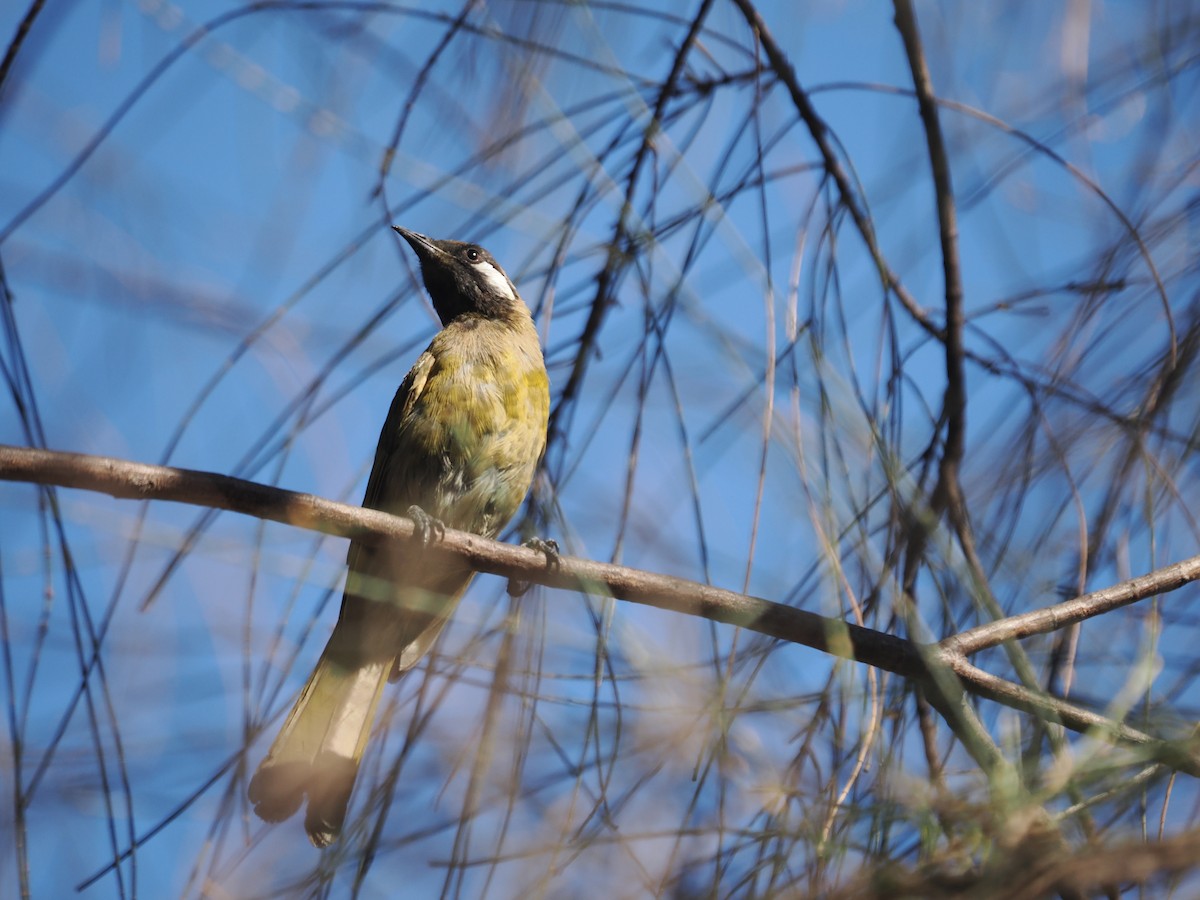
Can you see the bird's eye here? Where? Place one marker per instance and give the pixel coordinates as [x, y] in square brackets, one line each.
[472, 254]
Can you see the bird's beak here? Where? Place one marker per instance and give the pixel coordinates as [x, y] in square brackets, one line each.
[423, 246]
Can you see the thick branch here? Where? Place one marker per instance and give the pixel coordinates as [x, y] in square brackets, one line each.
[139, 481]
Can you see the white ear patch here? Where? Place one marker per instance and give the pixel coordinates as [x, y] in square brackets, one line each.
[495, 280]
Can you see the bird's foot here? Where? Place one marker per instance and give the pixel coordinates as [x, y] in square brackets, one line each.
[425, 527]
[518, 588]
[547, 546]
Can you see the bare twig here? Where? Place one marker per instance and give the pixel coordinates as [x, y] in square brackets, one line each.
[949, 493]
[618, 256]
[1060, 615]
[784, 71]
[22, 32]
[943, 186]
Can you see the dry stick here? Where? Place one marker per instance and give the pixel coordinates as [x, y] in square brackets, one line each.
[139, 481]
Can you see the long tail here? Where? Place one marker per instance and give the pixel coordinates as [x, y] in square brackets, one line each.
[321, 743]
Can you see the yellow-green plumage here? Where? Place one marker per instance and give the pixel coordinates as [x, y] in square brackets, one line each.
[462, 441]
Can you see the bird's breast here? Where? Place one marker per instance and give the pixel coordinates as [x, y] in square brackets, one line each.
[479, 425]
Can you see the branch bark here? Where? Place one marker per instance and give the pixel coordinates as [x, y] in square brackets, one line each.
[926, 662]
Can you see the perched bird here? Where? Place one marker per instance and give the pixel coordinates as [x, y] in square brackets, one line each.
[459, 448]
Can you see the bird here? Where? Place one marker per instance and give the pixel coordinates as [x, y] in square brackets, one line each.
[459, 449]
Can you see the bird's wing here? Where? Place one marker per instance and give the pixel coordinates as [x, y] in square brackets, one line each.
[402, 404]
[410, 389]
[410, 594]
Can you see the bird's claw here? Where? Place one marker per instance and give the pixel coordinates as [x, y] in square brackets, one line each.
[425, 527]
[518, 588]
[548, 547]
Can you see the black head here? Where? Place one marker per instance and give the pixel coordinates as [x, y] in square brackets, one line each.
[463, 279]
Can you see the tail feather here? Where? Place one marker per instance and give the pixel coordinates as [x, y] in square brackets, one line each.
[321, 744]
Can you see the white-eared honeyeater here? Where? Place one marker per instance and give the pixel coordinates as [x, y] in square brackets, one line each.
[459, 448]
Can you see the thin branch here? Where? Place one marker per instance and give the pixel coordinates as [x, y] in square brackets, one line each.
[619, 254]
[947, 494]
[22, 32]
[205, 31]
[820, 134]
[1079, 609]
[956, 393]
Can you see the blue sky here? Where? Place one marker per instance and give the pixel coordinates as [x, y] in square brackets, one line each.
[240, 188]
